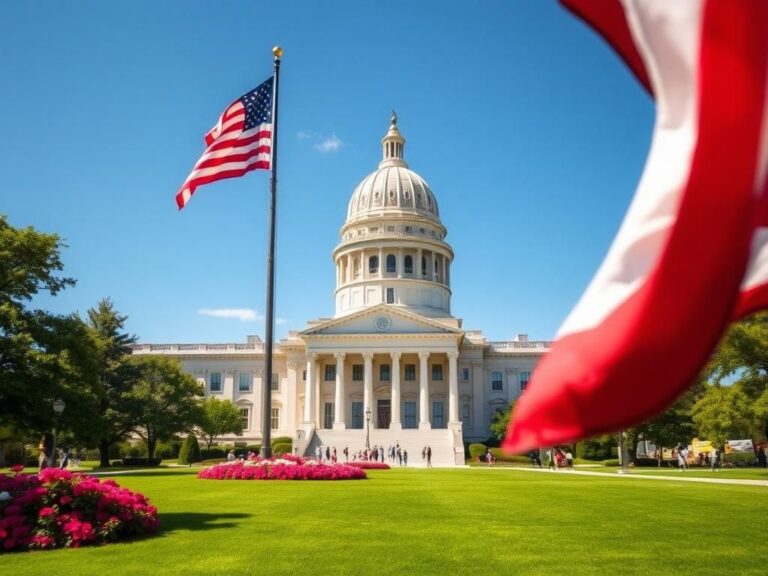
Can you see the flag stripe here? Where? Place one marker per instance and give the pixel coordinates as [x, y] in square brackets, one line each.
[652, 342]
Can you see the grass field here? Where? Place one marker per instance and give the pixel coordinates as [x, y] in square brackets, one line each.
[417, 521]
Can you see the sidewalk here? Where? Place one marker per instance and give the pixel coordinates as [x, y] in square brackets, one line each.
[677, 478]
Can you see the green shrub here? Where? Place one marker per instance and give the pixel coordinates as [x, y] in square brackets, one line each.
[167, 450]
[92, 454]
[501, 456]
[240, 445]
[281, 448]
[476, 451]
[739, 459]
[611, 462]
[190, 450]
[282, 440]
[213, 453]
[255, 448]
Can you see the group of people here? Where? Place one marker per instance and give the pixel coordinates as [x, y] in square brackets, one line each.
[46, 457]
[394, 454]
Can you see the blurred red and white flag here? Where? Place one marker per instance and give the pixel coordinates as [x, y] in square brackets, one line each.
[691, 253]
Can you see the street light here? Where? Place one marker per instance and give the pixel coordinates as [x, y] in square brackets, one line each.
[58, 408]
[368, 428]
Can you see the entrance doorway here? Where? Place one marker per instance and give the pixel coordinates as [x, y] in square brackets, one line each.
[383, 413]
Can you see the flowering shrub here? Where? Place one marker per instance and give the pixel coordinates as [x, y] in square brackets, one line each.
[57, 508]
[287, 467]
[369, 465]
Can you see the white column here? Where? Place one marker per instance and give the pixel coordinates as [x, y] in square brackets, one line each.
[338, 408]
[418, 263]
[453, 388]
[368, 385]
[424, 392]
[381, 262]
[400, 263]
[317, 387]
[309, 387]
[394, 423]
[349, 268]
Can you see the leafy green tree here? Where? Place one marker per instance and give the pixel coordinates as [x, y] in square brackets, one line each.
[116, 375]
[163, 401]
[42, 356]
[725, 412]
[219, 417]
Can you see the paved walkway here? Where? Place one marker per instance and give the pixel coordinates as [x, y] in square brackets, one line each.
[681, 477]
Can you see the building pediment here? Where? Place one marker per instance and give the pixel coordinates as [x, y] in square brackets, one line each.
[381, 320]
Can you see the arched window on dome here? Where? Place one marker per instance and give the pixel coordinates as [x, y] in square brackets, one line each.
[391, 263]
[373, 265]
[408, 265]
[356, 267]
[423, 265]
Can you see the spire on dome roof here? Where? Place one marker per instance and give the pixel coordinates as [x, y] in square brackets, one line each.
[393, 144]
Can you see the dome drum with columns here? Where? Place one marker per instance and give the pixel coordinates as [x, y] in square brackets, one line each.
[393, 364]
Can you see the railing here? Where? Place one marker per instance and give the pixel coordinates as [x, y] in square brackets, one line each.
[201, 348]
[514, 345]
[398, 232]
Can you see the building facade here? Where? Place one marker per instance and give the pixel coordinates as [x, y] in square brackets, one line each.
[392, 365]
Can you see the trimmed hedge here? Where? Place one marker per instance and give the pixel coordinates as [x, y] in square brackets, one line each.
[212, 453]
[739, 459]
[280, 448]
[477, 450]
[142, 461]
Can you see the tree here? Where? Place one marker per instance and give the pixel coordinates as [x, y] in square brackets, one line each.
[219, 417]
[501, 421]
[190, 450]
[116, 375]
[163, 400]
[675, 424]
[42, 356]
[725, 412]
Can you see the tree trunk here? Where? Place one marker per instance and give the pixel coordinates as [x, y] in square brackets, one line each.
[104, 453]
[151, 443]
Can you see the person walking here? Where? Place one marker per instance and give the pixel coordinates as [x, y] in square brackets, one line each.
[713, 458]
[405, 457]
[46, 448]
[429, 457]
[64, 457]
[762, 459]
[489, 457]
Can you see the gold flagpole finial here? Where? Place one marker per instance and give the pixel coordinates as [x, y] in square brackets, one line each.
[277, 51]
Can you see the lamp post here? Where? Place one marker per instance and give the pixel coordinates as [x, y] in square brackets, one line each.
[58, 408]
[368, 428]
[623, 453]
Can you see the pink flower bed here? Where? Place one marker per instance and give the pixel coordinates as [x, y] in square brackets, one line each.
[59, 509]
[284, 468]
[369, 465]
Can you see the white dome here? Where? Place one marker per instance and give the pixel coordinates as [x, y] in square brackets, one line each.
[393, 188]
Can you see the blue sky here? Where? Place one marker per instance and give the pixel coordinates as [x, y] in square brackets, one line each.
[529, 130]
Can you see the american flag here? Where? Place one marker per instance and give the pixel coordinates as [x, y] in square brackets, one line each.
[240, 142]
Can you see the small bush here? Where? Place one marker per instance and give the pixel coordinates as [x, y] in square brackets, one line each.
[255, 448]
[611, 462]
[282, 440]
[739, 459]
[213, 453]
[476, 451]
[190, 450]
[500, 456]
[168, 450]
[281, 448]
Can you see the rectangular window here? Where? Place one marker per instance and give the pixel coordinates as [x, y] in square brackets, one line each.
[357, 372]
[496, 383]
[330, 372]
[304, 376]
[244, 418]
[275, 420]
[465, 415]
[524, 377]
[465, 374]
[410, 372]
[275, 383]
[357, 415]
[437, 372]
[390, 295]
[328, 416]
[215, 382]
[437, 415]
[244, 382]
[409, 415]
[384, 374]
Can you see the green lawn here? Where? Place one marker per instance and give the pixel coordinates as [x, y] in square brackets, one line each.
[416, 521]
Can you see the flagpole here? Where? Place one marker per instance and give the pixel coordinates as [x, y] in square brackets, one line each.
[266, 421]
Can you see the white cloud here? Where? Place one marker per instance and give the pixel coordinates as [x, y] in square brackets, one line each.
[280, 321]
[305, 135]
[242, 314]
[330, 144]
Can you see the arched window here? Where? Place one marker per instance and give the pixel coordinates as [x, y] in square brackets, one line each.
[408, 265]
[373, 264]
[423, 265]
[391, 263]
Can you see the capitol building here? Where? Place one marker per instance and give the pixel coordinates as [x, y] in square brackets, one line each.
[393, 363]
